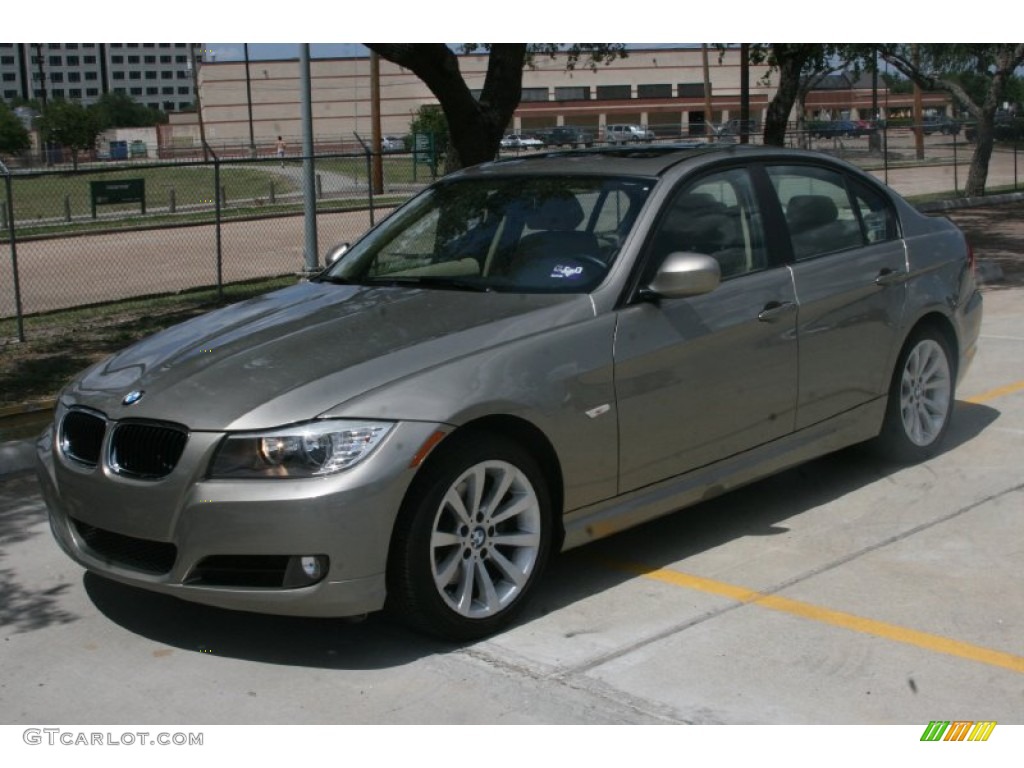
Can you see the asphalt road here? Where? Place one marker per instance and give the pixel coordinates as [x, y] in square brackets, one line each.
[846, 591]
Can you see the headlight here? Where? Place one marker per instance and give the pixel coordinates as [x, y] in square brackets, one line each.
[304, 450]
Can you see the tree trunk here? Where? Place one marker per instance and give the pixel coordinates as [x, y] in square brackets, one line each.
[977, 177]
[476, 125]
[776, 119]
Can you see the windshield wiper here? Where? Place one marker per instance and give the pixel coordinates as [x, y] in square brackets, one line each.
[433, 281]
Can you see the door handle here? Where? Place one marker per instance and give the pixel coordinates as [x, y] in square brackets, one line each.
[890, 277]
[773, 310]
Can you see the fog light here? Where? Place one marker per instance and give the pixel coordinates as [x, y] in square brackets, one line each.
[304, 570]
[311, 567]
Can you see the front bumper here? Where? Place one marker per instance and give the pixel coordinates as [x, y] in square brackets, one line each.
[158, 535]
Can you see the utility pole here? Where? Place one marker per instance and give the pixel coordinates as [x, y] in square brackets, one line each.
[248, 101]
[199, 104]
[708, 130]
[311, 257]
[915, 52]
[744, 93]
[378, 167]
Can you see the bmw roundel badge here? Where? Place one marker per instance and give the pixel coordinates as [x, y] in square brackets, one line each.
[132, 397]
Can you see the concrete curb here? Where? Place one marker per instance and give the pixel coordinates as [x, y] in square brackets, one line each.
[955, 203]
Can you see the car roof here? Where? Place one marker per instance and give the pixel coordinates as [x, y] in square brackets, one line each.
[647, 160]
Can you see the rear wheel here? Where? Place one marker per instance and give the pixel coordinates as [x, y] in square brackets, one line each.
[921, 398]
[472, 539]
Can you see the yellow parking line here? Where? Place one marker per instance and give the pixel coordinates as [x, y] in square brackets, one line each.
[992, 394]
[883, 629]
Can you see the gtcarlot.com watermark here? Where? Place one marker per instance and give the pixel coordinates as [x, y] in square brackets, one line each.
[60, 737]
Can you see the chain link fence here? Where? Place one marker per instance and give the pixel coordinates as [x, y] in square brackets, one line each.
[117, 231]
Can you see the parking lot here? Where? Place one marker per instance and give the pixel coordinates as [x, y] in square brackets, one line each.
[846, 591]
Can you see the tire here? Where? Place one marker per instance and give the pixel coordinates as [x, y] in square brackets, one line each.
[472, 539]
[921, 399]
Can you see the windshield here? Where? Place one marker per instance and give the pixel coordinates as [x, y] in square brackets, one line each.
[534, 234]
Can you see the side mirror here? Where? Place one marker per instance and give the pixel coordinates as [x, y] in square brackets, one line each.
[335, 253]
[684, 274]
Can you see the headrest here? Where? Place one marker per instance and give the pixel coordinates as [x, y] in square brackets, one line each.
[562, 213]
[809, 211]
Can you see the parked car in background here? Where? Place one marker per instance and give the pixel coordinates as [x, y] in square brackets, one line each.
[943, 124]
[567, 136]
[529, 355]
[392, 144]
[832, 129]
[1006, 127]
[521, 141]
[626, 134]
[864, 128]
[735, 128]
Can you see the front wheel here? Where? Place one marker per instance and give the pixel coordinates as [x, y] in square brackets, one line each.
[921, 398]
[472, 539]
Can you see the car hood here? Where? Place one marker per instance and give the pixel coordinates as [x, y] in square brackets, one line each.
[291, 355]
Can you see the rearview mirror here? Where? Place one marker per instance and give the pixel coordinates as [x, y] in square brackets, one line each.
[684, 274]
[335, 253]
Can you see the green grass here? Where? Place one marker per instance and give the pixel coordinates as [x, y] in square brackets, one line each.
[49, 196]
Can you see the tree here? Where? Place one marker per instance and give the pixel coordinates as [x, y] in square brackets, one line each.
[119, 110]
[800, 67]
[430, 119]
[69, 124]
[14, 139]
[942, 66]
[476, 124]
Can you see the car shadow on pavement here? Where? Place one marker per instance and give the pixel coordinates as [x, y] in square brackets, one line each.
[759, 509]
[377, 642]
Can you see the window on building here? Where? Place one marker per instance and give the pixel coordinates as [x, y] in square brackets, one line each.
[10, 94]
[117, 75]
[534, 94]
[71, 46]
[574, 93]
[165, 60]
[181, 59]
[56, 61]
[72, 61]
[136, 91]
[56, 77]
[74, 93]
[117, 59]
[57, 93]
[166, 75]
[183, 90]
[151, 75]
[168, 106]
[614, 92]
[691, 90]
[91, 92]
[167, 90]
[74, 77]
[134, 75]
[8, 60]
[149, 59]
[10, 77]
[91, 76]
[654, 91]
[120, 90]
[88, 59]
[149, 45]
[133, 59]
[152, 91]
[183, 75]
